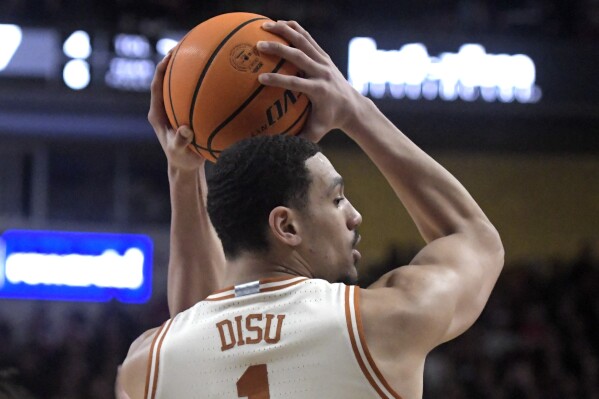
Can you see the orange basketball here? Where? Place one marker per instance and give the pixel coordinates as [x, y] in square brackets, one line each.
[211, 84]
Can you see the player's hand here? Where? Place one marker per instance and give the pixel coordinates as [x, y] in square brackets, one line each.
[334, 100]
[174, 143]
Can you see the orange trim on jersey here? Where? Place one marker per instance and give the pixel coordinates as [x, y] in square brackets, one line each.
[277, 279]
[221, 298]
[280, 287]
[262, 281]
[222, 290]
[262, 289]
[150, 358]
[157, 368]
[365, 347]
[354, 345]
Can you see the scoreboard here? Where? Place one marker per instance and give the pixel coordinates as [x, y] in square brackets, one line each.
[126, 61]
[469, 74]
[422, 70]
[28, 53]
[134, 59]
[82, 59]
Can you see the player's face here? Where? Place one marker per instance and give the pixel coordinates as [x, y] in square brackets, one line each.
[330, 223]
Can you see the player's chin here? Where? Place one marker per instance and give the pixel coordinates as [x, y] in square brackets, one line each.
[350, 278]
[356, 256]
[352, 275]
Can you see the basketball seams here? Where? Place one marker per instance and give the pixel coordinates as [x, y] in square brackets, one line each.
[219, 127]
[239, 109]
[299, 118]
[170, 74]
[209, 63]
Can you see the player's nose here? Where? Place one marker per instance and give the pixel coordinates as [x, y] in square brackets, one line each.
[354, 219]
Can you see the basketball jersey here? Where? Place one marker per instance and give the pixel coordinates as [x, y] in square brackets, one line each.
[287, 338]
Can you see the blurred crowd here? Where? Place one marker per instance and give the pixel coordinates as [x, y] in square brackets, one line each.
[548, 18]
[537, 338]
[73, 357]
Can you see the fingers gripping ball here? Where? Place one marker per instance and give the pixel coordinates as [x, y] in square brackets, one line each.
[211, 84]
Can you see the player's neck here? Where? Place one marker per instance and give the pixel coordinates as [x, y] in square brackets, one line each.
[251, 267]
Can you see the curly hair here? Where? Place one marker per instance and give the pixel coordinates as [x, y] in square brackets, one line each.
[251, 178]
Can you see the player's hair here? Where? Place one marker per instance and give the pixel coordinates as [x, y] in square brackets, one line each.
[249, 180]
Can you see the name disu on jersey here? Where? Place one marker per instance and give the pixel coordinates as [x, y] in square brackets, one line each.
[250, 330]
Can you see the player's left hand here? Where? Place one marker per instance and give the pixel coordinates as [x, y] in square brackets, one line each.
[334, 101]
[174, 143]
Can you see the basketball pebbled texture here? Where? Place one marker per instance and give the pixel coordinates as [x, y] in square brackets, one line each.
[211, 84]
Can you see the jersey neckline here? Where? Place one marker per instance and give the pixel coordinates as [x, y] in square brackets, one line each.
[255, 287]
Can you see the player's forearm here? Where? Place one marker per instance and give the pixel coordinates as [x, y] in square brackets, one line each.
[437, 202]
[196, 261]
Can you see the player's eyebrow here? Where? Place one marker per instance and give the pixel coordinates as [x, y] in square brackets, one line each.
[337, 181]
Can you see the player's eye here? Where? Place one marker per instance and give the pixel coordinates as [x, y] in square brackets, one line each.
[338, 200]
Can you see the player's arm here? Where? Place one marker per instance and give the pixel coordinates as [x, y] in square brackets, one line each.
[447, 285]
[196, 259]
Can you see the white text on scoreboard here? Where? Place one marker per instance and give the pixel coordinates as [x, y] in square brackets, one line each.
[469, 74]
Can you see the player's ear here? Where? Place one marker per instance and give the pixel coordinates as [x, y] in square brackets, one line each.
[283, 226]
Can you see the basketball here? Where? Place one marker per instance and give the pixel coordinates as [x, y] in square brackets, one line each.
[211, 85]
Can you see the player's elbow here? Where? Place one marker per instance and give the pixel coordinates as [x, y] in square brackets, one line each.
[496, 250]
[488, 242]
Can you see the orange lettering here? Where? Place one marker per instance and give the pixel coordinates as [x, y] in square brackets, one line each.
[251, 332]
[251, 328]
[277, 336]
[240, 340]
[224, 345]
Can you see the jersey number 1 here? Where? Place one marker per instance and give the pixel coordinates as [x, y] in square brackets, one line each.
[253, 384]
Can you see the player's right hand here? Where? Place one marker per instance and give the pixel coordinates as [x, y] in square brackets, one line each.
[174, 143]
[335, 103]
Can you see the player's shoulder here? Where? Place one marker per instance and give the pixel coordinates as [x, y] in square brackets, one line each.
[143, 341]
[408, 306]
[316, 286]
[406, 292]
[132, 374]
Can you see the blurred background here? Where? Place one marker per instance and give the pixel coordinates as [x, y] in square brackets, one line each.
[502, 93]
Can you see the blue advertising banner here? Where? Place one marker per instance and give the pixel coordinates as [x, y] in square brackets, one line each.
[75, 266]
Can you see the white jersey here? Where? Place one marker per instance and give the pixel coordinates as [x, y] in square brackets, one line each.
[285, 338]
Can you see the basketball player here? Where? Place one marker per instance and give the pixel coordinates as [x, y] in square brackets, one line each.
[287, 321]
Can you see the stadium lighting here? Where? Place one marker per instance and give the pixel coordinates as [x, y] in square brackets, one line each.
[130, 74]
[164, 45]
[77, 45]
[132, 46]
[76, 74]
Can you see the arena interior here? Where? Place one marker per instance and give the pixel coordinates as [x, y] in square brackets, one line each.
[503, 93]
